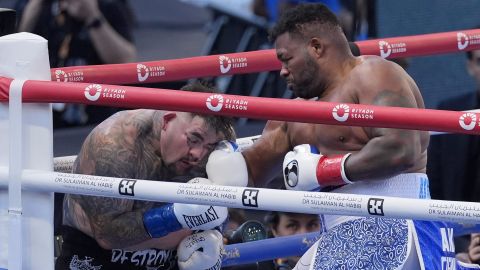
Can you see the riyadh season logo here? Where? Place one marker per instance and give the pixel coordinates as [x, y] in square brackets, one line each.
[62, 76]
[464, 40]
[96, 89]
[387, 49]
[144, 72]
[227, 63]
[215, 103]
[93, 92]
[468, 121]
[341, 112]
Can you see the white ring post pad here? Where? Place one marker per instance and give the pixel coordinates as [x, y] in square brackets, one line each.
[25, 56]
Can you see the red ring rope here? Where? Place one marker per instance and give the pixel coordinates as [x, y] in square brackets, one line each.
[243, 106]
[257, 61]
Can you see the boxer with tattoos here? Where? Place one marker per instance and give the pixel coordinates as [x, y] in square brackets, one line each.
[114, 233]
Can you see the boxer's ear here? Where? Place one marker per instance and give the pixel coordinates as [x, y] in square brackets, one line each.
[316, 47]
[167, 118]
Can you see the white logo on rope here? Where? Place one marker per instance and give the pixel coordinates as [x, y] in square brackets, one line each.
[212, 99]
[462, 40]
[126, 187]
[385, 49]
[375, 206]
[96, 96]
[143, 72]
[337, 110]
[59, 74]
[224, 69]
[250, 197]
[468, 117]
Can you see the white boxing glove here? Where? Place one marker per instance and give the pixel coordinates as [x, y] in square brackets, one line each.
[201, 251]
[226, 165]
[306, 169]
[161, 221]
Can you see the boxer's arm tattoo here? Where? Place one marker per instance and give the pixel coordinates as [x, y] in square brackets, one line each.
[114, 222]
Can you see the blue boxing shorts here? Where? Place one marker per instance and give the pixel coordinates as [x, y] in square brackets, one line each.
[379, 243]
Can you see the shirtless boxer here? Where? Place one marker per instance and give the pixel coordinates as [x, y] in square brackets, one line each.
[114, 233]
[318, 66]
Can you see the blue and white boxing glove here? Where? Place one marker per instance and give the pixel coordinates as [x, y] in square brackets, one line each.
[226, 165]
[306, 169]
[169, 218]
[201, 251]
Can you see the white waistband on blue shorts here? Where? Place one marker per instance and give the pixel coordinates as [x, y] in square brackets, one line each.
[407, 185]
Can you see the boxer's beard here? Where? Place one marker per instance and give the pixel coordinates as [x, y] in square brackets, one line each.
[306, 87]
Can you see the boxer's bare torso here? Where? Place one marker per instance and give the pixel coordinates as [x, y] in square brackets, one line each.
[370, 80]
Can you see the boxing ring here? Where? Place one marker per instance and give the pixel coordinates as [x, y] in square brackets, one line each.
[27, 164]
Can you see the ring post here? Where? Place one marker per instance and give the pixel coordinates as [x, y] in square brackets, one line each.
[26, 142]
